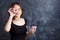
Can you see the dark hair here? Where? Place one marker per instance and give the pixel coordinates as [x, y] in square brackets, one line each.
[16, 3]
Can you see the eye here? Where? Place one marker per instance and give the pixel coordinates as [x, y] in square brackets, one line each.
[15, 10]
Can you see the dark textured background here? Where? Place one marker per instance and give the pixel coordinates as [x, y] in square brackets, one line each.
[43, 13]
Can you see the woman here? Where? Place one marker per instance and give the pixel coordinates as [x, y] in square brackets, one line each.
[16, 24]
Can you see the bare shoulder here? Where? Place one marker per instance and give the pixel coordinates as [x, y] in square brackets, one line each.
[22, 19]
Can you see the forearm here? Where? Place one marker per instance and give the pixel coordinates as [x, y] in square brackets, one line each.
[8, 24]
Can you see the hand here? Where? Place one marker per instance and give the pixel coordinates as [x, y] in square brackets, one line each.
[33, 29]
[15, 11]
[11, 12]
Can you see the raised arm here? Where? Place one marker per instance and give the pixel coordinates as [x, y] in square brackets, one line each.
[8, 23]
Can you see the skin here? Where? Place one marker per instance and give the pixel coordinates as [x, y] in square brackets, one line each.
[16, 12]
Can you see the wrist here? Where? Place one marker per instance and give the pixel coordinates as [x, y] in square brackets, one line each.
[11, 16]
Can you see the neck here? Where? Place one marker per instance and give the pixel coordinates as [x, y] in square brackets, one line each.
[17, 18]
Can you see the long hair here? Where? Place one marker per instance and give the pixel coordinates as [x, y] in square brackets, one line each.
[14, 3]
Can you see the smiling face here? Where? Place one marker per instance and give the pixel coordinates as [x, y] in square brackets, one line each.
[17, 9]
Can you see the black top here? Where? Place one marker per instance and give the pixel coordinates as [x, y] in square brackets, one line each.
[18, 32]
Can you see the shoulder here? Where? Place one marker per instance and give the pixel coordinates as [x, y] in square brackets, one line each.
[24, 19]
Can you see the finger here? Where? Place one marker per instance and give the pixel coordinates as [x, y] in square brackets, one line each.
[9, 9]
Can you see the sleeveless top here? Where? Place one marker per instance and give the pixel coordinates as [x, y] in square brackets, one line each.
[18, 32]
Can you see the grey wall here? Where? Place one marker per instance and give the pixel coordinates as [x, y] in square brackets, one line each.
[43, 13]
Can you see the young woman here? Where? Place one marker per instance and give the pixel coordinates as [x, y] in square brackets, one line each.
[16, 24]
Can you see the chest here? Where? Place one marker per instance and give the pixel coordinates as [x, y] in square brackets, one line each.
[19, 22]
[15, 29]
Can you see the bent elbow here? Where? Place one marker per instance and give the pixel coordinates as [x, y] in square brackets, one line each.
[6, 30]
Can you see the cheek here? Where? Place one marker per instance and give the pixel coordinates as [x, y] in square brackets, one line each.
[19, 13]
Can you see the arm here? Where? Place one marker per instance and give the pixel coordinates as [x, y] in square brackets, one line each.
[8, 24]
